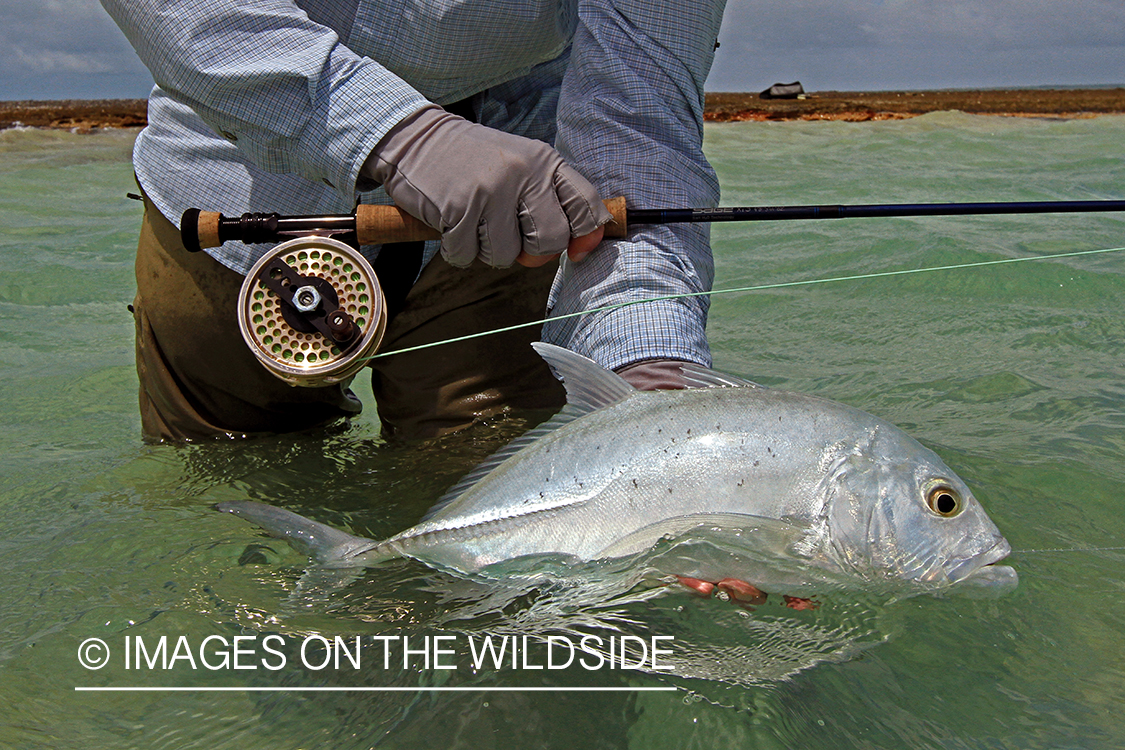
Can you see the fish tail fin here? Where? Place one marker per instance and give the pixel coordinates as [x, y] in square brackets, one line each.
[322, 543]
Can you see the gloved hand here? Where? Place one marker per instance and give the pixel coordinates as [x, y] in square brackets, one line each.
[494, 196]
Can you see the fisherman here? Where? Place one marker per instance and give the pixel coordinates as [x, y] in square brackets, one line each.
[449, 109]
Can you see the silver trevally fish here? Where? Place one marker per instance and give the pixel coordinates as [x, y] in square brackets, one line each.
[836, 490]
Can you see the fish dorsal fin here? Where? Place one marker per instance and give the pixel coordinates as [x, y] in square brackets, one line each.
[589, 386]
[698, 376]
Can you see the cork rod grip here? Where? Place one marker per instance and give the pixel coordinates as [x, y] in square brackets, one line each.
[379, 225]
[376, 225]
[618, 227]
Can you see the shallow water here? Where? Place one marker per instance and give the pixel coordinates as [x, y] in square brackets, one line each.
[1014, 374]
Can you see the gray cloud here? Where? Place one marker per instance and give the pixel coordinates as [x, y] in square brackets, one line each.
[71, 48]
[887, 44]
[956, 24]
[65, 49]
[54, 35]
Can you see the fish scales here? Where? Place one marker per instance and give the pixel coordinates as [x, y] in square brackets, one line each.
[654, 455]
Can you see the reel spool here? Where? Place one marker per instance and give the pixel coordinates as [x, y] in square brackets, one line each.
[296, 315]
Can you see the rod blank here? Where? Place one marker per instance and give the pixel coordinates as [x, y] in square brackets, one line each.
[783, 213]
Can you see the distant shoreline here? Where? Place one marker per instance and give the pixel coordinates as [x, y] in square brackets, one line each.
[79, 115]
[85, 116]
[856, 106]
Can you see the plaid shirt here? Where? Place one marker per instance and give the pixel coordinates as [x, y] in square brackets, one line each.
[274, 105]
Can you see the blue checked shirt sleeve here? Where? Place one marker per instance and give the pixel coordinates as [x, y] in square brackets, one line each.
[631, 120]
[263, 75]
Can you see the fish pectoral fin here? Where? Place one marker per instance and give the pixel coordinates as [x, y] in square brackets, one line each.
[324, 544]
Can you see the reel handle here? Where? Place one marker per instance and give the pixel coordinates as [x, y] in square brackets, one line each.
[373, 225]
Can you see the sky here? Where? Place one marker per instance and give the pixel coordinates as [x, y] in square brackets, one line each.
[71, 49]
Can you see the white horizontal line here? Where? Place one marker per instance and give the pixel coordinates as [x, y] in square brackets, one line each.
[372, 689]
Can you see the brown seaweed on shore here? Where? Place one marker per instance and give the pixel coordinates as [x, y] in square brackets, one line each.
[79, 115]
[856, 106]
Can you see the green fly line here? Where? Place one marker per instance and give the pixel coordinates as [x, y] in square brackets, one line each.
[1072, 549]
[757, 288]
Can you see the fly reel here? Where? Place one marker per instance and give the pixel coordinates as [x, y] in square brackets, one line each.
[312, 311]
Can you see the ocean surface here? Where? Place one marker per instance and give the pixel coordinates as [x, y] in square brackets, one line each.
[1014, 374]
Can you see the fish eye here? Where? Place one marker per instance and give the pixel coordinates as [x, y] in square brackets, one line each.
[944, 500]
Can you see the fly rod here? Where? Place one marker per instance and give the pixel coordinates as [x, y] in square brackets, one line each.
[312, 309]
[376, 225]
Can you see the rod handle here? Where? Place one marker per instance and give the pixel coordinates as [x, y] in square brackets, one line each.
[380, 225]
[200, 229]
[374, 225]
[619, 226]
[377, 225]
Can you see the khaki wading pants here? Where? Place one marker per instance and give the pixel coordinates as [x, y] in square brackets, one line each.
[199, 380]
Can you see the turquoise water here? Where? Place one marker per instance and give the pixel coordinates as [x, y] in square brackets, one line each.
[1015, 374]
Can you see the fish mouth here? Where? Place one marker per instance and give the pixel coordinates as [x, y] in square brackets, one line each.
[982, 572]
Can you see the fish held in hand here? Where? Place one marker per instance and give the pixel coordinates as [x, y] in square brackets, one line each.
[783, 490]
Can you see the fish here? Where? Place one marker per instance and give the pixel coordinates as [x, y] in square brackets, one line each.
[777, 488]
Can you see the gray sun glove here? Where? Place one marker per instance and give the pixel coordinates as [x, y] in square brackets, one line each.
[491, 194]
